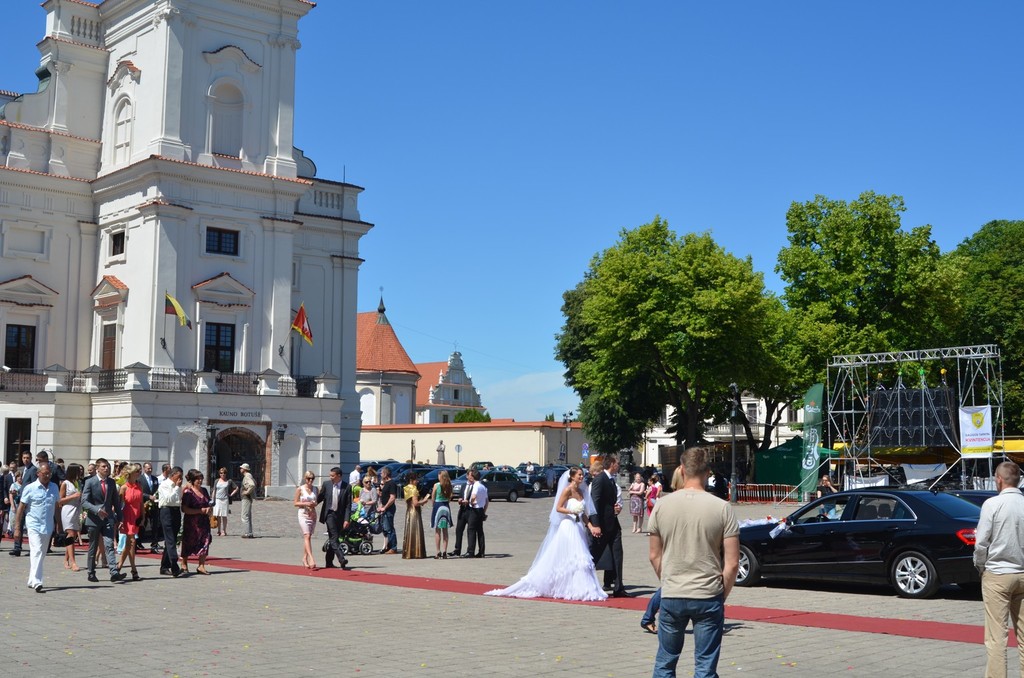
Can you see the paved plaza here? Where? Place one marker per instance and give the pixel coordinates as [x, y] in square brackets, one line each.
[261, 614]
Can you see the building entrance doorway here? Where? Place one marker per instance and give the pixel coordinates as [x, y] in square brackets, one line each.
[237, 446]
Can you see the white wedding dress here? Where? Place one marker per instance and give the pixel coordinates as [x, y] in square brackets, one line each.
[562, 567]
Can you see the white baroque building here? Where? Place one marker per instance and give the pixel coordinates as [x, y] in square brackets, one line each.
[445, 390]
[157, 158]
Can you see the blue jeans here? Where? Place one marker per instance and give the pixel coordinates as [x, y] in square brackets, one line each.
[387, 525]
[708, 617]
[652, 609]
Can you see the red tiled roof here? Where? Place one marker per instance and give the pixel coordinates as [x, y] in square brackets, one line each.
[72, 42]
[28, 277]
[204, 283]
[114, 281]
[503, 424]
[431, 376]
[42, 174]
[378, 348]
[33, 128]
[252, 173]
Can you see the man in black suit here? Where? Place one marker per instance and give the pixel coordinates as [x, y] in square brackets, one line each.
[150, 485]
[606, 549]
[336, 497]
[463, 518]
[6, 481]
[101, 503]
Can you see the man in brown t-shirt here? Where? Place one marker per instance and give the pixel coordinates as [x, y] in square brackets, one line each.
[694, 549]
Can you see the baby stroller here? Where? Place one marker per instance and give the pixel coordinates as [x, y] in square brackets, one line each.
[358, 538]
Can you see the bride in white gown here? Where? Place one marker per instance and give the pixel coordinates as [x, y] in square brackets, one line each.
[563, 567]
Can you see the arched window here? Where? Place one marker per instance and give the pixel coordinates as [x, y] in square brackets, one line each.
[226, 120]
[123, 132]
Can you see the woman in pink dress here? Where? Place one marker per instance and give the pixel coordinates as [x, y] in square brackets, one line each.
[636, 502]
[305, 501]
[131, 516]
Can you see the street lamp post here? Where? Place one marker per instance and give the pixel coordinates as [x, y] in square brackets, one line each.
[566, 420]
[734, 391]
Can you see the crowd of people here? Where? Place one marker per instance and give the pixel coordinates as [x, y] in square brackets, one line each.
[368, 502]
[119, 509]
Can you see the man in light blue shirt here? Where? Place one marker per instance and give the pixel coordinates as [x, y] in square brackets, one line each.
[38, 503]
[999, 556]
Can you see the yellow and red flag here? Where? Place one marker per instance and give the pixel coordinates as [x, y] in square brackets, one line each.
[172, 307]
[301, 325]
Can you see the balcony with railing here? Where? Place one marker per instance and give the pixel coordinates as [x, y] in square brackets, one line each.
[139, 377]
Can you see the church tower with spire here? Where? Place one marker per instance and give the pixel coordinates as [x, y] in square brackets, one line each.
[386, 377]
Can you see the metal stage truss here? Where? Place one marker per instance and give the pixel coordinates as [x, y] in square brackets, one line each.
[910, 400]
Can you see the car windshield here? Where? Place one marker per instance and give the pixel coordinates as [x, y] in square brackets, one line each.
[954, 507]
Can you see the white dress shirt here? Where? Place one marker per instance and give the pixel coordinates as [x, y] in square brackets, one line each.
[999, 539]
[168, 494]
[478, 498]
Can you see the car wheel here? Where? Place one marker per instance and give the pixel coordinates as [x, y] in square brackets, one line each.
[914, 576]
[513, 495]
[749, 572]
[366, 548]
[537, 487]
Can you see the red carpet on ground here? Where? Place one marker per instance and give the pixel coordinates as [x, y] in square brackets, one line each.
[908, 628]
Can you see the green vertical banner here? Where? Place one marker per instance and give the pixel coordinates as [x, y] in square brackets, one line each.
[809, 473]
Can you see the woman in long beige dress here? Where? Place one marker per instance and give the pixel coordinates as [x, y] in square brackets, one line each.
[413, 544]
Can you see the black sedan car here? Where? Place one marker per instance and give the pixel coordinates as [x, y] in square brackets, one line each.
[911, 540]
[427, 481]
[500, 485]
[978, 497]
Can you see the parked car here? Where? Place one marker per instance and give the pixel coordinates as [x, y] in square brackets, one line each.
[500, 485]
[913, 540]
[419, 470]
[976, 497]
[538, 479]
[376, 464]
[427, 481]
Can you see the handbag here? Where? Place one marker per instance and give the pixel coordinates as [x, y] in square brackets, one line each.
[213, 520]
[61, 539]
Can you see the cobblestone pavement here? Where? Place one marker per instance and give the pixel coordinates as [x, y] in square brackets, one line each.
[252, 619]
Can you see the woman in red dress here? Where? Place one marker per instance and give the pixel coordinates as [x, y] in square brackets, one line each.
[131, 516]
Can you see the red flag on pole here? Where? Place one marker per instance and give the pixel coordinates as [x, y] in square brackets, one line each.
[301, 325]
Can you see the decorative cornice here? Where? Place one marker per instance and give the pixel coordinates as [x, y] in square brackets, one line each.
[234, 53]
[30, 128]
[54, 38]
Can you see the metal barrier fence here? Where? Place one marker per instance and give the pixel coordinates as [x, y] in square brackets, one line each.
[769, 493]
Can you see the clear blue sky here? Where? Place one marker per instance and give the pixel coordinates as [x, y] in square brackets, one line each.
[503, 144]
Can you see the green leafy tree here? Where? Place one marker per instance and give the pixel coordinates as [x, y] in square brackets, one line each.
[471, 416]
[867, 283]
[992, 287]
[657, 320]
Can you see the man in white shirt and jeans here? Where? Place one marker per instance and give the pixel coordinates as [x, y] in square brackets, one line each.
[999, 556]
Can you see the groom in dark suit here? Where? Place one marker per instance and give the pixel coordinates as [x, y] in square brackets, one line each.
[336, 497]
[606, 548]
[101, 503]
